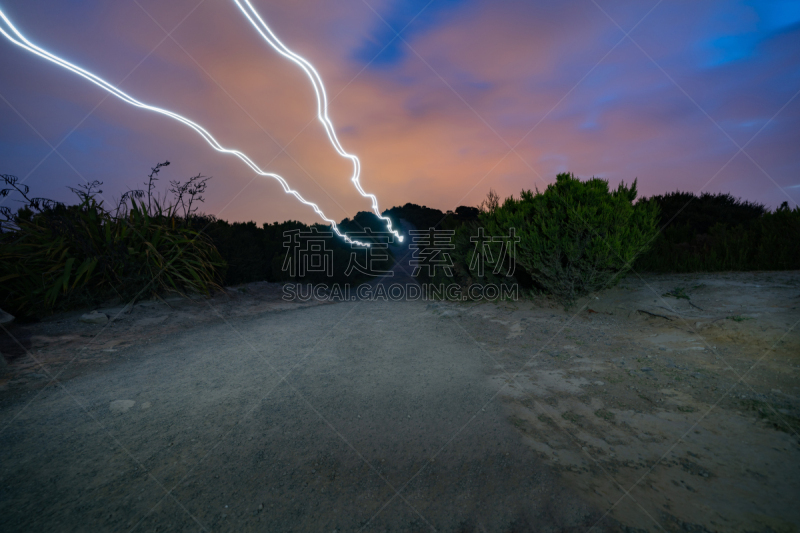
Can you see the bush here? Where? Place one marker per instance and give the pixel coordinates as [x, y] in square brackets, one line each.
[711, 233]
[54, 256]
[698, 214]
[576, 237]
[258, 253]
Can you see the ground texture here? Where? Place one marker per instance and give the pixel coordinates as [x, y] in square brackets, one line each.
[667, 403]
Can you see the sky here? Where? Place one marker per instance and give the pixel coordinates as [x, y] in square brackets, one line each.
[441, 101]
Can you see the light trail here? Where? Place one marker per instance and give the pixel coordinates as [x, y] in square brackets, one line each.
[322, 101]
[6, 26]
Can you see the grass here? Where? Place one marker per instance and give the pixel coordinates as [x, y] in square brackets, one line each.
[54, 256]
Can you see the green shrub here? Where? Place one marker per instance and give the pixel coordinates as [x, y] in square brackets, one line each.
[575, 237]
[466, 264]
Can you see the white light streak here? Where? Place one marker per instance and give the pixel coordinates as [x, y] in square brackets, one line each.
[24, 43]
[322, 100]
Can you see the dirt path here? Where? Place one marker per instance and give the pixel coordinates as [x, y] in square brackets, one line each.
[668, 403]
[383, 423]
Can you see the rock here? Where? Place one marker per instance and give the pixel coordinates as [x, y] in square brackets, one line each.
[118, 313]
[121, 406]
[6, 318]
[94, 318]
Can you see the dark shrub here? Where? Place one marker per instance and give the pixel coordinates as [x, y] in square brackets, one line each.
[421, 217]
[258, 253]
[698, 214]
[54, 256]
[716, 232]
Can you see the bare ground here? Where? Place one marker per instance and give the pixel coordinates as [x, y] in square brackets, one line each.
[634, 410]
[674, 413]
[252, 414]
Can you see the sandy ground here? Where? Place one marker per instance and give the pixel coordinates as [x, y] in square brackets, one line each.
[252, 414]
[634, 410]
[671, 413]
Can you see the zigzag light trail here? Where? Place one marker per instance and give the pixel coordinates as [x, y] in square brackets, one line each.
[322, 100]
[6, 28]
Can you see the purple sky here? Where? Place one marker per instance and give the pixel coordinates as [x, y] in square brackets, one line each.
[433, 114]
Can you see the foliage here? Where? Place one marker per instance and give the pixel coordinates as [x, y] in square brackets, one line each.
[423, 217]
[54, 256]
[699, 213]
[719, 233]
[362, 222]
[259, 253]
[419, 217]
[497, 266]
[576, 237]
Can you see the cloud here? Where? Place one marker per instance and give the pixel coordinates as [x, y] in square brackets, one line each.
[432, 118]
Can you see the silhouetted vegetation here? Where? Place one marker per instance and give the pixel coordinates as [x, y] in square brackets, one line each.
[700, 213]
[54, 256]
[573, 238]
[578, 237]
[265, 253]
[420, 217]
[717, 232]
